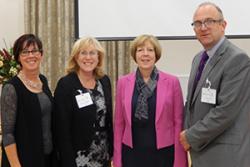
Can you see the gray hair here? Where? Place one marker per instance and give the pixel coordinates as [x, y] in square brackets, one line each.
[214, 5]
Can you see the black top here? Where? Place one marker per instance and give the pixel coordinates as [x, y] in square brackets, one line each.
[28, 127]
[9, 113]
[76, 126]
[144, 152]
[143, 133]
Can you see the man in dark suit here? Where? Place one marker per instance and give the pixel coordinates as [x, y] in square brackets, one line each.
[217, 110]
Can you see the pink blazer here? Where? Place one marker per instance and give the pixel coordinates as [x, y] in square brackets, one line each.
[168, 119]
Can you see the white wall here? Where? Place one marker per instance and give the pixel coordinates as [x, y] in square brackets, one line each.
[177, 56]
[11, 21]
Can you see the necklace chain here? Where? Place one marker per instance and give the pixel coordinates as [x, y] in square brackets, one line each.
[30, 83]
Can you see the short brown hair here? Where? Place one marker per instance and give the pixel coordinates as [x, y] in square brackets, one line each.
[24, 42]
[140, 41]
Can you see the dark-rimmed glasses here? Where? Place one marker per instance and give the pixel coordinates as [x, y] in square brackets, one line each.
[33, 52]
[207, 23]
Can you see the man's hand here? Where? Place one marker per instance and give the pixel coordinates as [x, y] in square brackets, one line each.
[183, 141]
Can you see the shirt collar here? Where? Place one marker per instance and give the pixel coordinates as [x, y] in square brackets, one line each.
[212, 51]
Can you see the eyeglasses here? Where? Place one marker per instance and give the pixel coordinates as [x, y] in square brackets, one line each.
[91, 53]
[33, 52]
[207, 23]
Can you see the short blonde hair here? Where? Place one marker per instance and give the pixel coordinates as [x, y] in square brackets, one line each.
[82, 44]
[141, 40]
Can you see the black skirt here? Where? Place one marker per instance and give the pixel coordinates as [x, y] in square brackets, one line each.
[147, 158]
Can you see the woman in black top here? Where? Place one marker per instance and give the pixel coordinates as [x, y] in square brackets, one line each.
[84, 108]
[26, 108]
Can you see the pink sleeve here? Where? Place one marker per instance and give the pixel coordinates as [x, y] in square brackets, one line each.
[119, 125]
[180, 154]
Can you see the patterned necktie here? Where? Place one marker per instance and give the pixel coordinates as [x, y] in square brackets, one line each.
[204, 58]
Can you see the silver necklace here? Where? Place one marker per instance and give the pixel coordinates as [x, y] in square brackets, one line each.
[30, 83]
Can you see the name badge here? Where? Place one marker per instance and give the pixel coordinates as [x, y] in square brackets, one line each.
[208, 95]
[83, 99]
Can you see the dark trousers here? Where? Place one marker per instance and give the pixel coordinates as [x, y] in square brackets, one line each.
[147, 158]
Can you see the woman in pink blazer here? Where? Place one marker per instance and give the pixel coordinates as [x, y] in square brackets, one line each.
[148, 112]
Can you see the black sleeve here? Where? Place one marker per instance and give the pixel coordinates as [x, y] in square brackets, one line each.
[108, 97]
[63, 122]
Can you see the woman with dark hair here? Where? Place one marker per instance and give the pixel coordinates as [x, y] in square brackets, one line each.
[26, 110]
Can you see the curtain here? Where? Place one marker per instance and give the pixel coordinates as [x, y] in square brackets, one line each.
[54, 23]
[117, 61]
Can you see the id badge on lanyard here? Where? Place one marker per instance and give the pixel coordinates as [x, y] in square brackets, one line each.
[83, 99]
[208, 95]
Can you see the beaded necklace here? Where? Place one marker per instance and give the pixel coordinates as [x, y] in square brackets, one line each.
[30, 83]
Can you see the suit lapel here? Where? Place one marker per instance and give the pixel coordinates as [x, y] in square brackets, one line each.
[161, 91]
[192, 77]
[214, 60]
[128, 91]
